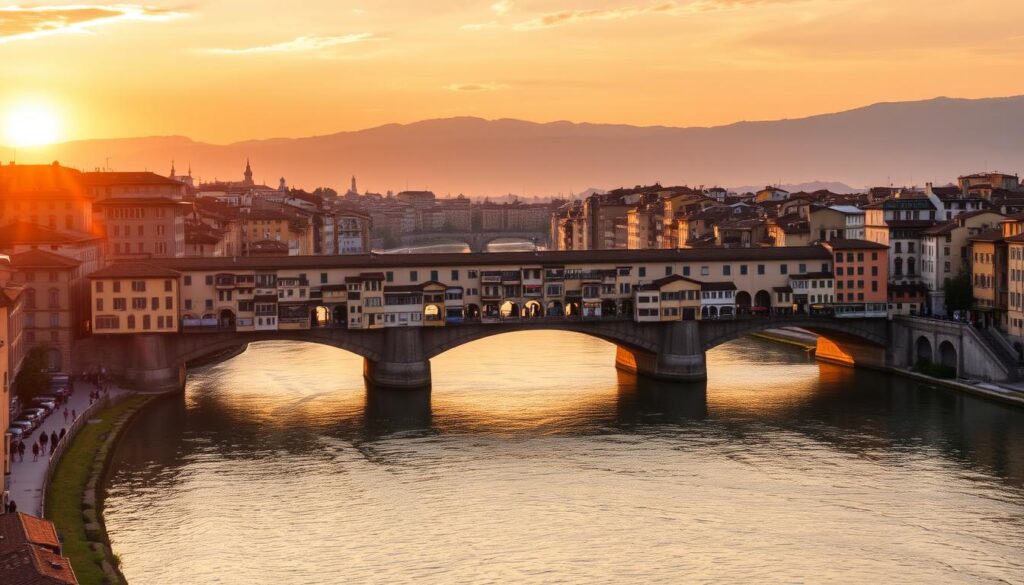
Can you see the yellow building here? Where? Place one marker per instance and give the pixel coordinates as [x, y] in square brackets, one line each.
[11, 355]
[135, 297]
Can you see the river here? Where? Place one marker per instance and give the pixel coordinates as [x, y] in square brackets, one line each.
[534, 461]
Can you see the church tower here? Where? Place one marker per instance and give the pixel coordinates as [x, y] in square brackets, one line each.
[352, 189]
[248, 173]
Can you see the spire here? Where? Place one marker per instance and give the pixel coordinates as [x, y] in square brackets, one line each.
[248, 172]
[352, 189]
[172, 169]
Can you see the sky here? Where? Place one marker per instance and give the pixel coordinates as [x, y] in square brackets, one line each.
[229, 70]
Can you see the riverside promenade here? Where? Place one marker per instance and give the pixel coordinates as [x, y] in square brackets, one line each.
[28, 477]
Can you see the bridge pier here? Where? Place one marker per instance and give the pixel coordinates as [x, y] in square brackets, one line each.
[680, 357]
[403, 364]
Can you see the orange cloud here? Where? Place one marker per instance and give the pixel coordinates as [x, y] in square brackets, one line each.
[21, 23]
[302, 44]
[564, 17]
[473, 87]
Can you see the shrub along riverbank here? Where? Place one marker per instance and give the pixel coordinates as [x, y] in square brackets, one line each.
[72, 495]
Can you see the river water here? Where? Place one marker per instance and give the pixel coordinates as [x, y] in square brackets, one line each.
[534, 461]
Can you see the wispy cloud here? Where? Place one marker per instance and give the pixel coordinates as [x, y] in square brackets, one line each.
[474, 87]
[668, 8]
[481, 25]
[30, 22]
[566, 17]
[501, 7]
[303, 44]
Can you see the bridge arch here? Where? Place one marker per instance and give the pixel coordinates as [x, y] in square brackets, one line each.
[923, 350]
[870, 331]
[947, 355]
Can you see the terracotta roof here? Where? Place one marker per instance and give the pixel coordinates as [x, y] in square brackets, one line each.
[22, 528]
[22, 232]
[135, 270]
[107, 178]
[143, 201]
[42, 259]
[33, 565]
[995, 235]
[851, 244]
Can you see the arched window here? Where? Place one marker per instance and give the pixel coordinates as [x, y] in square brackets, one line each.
[53, 298]
[898, 267]
[910, 266]
[30, 298]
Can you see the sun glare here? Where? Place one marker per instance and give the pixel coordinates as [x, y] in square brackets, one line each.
[31, 125]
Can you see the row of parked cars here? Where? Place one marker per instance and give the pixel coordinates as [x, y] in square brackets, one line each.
[28, 417]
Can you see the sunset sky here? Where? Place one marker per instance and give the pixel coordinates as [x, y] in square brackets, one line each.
[229, 70]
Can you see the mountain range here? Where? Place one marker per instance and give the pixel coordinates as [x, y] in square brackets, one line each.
[901, 143]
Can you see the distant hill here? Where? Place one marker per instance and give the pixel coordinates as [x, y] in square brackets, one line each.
[902, 143]
[805, 187]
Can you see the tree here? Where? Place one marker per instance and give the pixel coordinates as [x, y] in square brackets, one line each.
[959, 293]
[34, 378]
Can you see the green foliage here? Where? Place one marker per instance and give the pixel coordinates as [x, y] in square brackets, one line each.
[64, 495]
[959, 293]
[33, 379]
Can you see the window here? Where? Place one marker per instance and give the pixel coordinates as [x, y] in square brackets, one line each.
[389, 276]
[643, 271]
[131, 321]
[743, 269]
[760, 268]
[783, 268]
[120, 304]
[107, 322]
[455, 275]
[168, 285]
[433, 275]
[704, 271]
[99, 286]
[99, 304]
[139, 303]
[53, 298]
[138, 286]
[168, 303]
[414, 275]
[117, 286]
[209, 279]
[188, 280]
[686, 271]
[726, 270]
[188, 304]
[146, 322]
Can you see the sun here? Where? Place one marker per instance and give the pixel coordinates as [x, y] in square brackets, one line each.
[31, 125]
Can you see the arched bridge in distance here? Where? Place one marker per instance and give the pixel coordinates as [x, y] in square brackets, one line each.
[477, 241]
[399, 357]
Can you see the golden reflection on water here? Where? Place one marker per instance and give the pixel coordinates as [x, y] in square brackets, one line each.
[534, 460]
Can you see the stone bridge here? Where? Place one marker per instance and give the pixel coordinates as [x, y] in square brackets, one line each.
[477, 241]
[400, 357]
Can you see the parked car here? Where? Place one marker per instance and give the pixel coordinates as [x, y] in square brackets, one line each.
[39, 413]
[17, 432]
[45, 403]
[28, 425]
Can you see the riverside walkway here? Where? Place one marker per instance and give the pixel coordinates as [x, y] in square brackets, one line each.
[28, 477]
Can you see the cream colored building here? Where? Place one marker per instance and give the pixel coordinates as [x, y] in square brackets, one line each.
[135, 297]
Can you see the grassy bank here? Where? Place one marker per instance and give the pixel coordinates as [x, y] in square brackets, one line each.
[64, 497]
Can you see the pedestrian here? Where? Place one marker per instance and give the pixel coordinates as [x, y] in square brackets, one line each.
[21, 450]
[65, 415]
[53, 439]
[43, 439]
[63, 431]
[74, 415]
[35, 451]
[12, 507]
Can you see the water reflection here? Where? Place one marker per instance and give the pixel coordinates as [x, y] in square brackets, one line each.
[534, 460]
